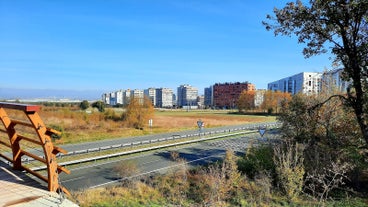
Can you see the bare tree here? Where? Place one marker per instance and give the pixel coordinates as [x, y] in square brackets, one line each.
[320, 184]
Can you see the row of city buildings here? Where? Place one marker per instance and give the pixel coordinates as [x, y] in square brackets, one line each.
[186, 96]
[226, 95]
[220, 95]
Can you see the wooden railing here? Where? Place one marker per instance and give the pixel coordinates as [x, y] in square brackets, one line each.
[25, 142]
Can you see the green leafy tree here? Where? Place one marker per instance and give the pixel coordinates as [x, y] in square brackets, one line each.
[84, 105]
[99, 105]
[341, 26]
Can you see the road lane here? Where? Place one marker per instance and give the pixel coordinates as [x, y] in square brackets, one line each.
[159, 161]
[126, 140]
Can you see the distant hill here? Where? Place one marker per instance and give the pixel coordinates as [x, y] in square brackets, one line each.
[11, 93]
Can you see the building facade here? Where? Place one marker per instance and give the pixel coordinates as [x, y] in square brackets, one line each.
[305, 82]
[119, 97]
[151, 94]
[138, 94]
[164, 98]
[259, 97]
[226, 95]
[126, 96]
[200, 102]
[187, 96]
[208, 97]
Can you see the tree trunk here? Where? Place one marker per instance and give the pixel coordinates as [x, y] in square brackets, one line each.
[357, 101]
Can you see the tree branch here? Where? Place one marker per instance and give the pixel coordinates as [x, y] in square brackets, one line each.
[327, 100]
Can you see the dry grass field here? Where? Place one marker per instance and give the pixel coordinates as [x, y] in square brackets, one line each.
[79, 126]
[188, 120]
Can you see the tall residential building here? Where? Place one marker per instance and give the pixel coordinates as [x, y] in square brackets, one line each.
[305, 82]
[200, 102]
[187, 96]
[151, 94]
[174, 101]
[127, 96]
[112, 99]
[106, 98]
[164, 97]
[226, 95]
[119, 97]
[137, 94]
[208, 97]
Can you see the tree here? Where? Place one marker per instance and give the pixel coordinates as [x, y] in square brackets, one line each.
[139, 112]
[340, 25]
[272, 100]
[246, 101]
[84, 105]
[99, 105]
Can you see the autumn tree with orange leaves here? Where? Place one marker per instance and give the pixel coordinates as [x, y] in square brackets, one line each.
[246, 101]
[138, 112]
[272, 100]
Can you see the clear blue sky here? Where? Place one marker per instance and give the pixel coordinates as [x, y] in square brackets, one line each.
[108, 45]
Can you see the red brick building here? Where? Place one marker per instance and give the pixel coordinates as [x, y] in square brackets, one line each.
[226, 95]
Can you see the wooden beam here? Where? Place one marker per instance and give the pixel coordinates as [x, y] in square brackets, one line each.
[35, 174]
[23, 107]
[29, 140]
[34, 157]
[21, 123]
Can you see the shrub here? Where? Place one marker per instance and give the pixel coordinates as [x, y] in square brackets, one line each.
[59, 129]
[288, 158]
[257, 160]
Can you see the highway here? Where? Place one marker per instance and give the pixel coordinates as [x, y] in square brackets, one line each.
[103, 174]
[124, 140]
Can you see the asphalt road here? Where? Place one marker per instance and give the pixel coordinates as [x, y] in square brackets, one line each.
[125, 140]
[157, 162]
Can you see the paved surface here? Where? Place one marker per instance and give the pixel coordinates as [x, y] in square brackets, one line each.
[124, 140]
[102, 174]
[19, 190]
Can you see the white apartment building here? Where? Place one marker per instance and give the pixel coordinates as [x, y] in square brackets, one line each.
[151, 94]
[119, 97]
[305, 82]
[138, 94]
[187, 96]
[164, 98]
[126, 96]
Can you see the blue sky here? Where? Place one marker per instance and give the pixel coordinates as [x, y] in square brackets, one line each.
[106, 45]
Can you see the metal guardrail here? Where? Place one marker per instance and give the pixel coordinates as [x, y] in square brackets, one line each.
[243, 130]
[165, 139]
[172, 137]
